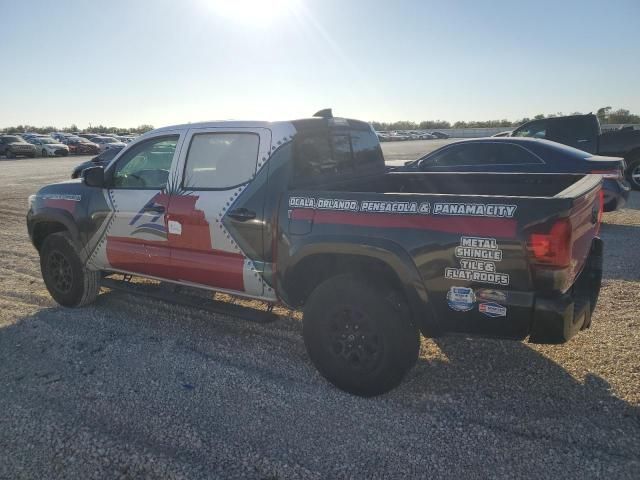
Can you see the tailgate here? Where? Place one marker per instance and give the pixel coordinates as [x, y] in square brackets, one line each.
[559, 247]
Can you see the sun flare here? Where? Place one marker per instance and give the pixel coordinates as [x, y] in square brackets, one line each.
[252, 12]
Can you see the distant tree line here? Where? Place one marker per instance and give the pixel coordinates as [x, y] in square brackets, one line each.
[74, 128]
[606, 115]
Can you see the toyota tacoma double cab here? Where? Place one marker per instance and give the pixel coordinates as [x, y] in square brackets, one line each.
[305, 214]
[584, 132]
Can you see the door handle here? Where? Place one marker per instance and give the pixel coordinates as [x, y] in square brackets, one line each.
[242, 214]
[154, 209]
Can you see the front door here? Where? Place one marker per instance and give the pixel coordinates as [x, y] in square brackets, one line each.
[217, 165]
[135, 236]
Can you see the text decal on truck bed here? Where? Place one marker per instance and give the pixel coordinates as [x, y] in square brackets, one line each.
[474, 209]
[477, 257]
[424, 208]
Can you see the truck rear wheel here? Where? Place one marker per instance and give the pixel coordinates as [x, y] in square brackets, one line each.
[68, 281]
[359, 336]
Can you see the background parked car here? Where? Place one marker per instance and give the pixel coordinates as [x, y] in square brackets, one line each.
[13, 146]
[105, 143]
[440, 135]
[525, 155]
[101, 160]
[584, 132]
[49, 147]
[81, 146]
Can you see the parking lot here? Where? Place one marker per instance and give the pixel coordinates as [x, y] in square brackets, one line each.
[135, 387]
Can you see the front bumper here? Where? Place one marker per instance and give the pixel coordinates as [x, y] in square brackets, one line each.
[557, 319]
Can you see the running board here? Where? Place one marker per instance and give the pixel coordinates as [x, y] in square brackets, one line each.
[171, 294]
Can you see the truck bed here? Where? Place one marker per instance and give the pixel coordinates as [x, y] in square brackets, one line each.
[433, 217]
[493, 184]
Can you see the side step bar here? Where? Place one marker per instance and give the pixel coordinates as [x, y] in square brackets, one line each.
[174, 294]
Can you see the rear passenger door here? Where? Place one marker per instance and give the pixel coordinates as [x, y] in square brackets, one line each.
[216, 165]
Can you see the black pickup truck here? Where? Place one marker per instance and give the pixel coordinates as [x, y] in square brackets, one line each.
[584, 132]
[305, 214]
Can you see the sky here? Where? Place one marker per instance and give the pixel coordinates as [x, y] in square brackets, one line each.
[161, 62]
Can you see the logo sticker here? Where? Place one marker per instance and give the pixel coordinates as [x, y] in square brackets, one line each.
[461, 299]
[492, 309]
[495, 295]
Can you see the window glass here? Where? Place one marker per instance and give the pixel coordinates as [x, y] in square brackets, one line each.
[474, 154]
[366, 149]
[313, 156]
[147, 165]
[341, 152]
[534, 129]
[221, 160]
[513, 154]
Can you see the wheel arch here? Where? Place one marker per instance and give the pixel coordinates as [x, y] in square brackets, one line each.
[51, 221]
[374, 259]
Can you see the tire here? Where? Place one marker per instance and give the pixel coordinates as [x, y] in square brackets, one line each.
[66, 278]
[633, 173]
[9, 154]
[44, 153]
[336, 314]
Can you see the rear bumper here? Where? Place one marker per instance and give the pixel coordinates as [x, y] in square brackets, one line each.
[557, 319]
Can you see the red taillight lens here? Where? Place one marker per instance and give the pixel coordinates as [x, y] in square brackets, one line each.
[552, 248]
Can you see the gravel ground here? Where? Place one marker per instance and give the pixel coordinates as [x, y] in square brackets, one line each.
[132, 387]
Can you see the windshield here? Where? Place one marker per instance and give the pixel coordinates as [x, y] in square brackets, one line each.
[12, 139]
[109, 140]
[46, 140]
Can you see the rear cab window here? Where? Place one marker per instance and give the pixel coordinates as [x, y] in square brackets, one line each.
[329, 153]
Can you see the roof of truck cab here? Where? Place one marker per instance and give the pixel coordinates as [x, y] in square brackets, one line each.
[300, 124]
[222, 124]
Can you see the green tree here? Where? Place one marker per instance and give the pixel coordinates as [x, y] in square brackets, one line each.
[603, 113]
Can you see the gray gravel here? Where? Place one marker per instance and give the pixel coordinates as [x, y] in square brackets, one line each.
[135, 388]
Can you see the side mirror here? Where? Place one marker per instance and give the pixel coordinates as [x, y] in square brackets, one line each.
[93, 177]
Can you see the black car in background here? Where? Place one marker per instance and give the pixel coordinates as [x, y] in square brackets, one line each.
[526, 155]
[13, 146]
[101, 160]
[584, 132]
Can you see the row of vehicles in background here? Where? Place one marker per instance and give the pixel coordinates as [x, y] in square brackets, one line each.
[59, 144]
[400, 136]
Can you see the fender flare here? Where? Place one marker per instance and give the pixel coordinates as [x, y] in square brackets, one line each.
[53, 215]
[380, 249]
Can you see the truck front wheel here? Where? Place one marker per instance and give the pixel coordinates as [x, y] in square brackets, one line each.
[359, 336]
[68, 281]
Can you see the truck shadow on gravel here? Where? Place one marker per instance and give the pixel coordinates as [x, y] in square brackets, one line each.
[64, 360]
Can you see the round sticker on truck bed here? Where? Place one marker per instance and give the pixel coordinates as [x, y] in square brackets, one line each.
[461, 299]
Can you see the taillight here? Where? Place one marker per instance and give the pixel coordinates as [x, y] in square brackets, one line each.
[552, 248]
[615, 174]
